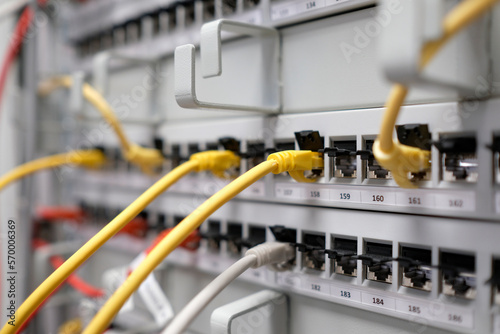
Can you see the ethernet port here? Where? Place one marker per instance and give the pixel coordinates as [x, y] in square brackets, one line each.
[249, 4]
[284, 145]
[161, 222]
[284, 234]
[343, 256]
[495, 148]
[416, 268]
[193, 148]
[372, 167]
[495, 281]
[212, 146]
[190, 12]
[416, 135]
[458, 157]
[118, 36]
[231, 144]
[343, 154]
[213, 236]
[256, 236]
[208, 10]
[228, 7]
[234, 238]
[309, 140]
[178, 219]
[313, 247]
[378, 262]
[256, 153]
[459, 275]
[133, 31]
[175, 155]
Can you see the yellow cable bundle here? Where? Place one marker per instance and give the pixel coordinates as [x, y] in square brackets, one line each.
[86, 158]
[392, 155]
[212, 160]
[146, 158]
[286, 161]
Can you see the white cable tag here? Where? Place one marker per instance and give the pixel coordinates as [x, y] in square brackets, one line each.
[152, 295]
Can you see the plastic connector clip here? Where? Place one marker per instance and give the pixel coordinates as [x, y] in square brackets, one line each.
[218, 162]
[401, 160]
[297, 162]
[271, 253]
[146, 158]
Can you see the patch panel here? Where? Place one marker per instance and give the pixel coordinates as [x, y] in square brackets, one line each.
[435, 196]
[416, 269]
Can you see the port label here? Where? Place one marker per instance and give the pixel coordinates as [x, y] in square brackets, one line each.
[317, 194]
[457, 317]
[378, 198]
[414, 199]
[289, 280]
[456, 201]
[413, 308]
[345, 195]
[379, 301]
[316, 286]
[285, 191]
[345, 294]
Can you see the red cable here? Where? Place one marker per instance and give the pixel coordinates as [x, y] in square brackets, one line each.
[72, 280]
[16, 42]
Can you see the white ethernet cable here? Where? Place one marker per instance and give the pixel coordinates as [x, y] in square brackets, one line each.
[269, 253]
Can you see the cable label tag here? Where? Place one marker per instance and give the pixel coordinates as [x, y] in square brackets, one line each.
[152, 295]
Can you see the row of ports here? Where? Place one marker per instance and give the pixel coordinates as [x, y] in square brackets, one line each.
[179, 15]
[458, 158]
[457, 269]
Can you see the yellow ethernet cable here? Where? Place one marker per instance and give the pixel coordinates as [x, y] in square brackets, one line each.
[86, 158]
[390, 153]
[286, 161]
[215, 161]
[146, 158]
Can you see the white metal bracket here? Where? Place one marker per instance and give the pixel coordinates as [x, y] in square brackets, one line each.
[413, 23]
[211, 57]
[270, 307]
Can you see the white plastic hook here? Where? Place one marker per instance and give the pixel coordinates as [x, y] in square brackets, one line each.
[409, 24]
[185, 88]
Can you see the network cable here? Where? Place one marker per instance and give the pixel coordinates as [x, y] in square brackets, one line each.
[87, 158]
[392, 155]
[17, 39]
[269, 253]
[146, 158]
[215, 161]
[280, 162]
